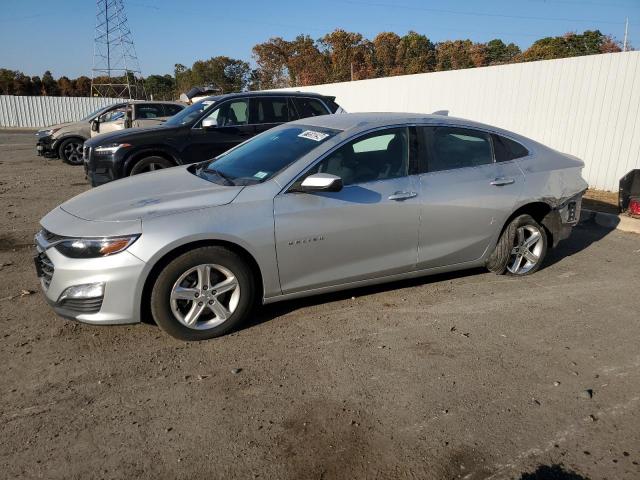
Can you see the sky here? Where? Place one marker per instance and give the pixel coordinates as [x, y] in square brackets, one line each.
[39, 35]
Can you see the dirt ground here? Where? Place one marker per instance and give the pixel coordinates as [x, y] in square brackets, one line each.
[601, 201]
[469, 376]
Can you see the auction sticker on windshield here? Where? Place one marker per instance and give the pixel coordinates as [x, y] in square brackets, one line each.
[313, 135]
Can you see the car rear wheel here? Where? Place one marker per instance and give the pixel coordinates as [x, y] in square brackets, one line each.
[71, 151]
[149, 164]
[521, 248]
[202, 294]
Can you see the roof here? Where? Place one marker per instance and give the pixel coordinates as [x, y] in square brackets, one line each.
[365, 121]
[217, 98]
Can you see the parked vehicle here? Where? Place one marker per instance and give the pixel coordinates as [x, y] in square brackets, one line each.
[135, 115]
[200, 132]
[65, 140]
[312, 206]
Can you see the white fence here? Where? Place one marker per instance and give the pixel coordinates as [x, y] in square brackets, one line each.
[29, 112]
[586, 106]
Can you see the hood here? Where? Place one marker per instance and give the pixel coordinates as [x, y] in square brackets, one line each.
[149, 195]
[130, 134]
[58, 126]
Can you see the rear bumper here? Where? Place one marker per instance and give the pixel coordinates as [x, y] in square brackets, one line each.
[563, 218]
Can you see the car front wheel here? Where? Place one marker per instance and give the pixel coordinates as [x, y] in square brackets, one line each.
[149, 164]
[521, 248]
[71, 151]
[202, 294]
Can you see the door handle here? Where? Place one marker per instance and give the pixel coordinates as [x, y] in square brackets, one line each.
[399, 196]
[501, 181]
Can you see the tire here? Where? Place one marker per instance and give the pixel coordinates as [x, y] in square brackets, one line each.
[521, 248]
[179, 293]
[70, 151]
[149, 164]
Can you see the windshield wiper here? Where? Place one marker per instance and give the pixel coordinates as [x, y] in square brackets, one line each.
[220, 174]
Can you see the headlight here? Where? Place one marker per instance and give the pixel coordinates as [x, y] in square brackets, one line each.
[47, 132]
[94, 247]
[111, 148]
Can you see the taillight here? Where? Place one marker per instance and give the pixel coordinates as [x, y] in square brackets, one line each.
[634, 206]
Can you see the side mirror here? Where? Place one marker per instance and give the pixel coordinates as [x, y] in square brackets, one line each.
[209, 123]
[95, 125]
[321, 182]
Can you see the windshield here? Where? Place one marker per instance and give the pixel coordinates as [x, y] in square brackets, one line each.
[95, 114]
[189, 114]
[264, 156]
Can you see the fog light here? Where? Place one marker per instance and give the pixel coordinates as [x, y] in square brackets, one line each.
[88, 290]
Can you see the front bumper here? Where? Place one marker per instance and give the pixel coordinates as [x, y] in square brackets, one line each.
[119, 273]
[47, 147]
[98, 169]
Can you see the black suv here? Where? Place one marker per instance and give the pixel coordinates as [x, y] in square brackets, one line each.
[200, 132]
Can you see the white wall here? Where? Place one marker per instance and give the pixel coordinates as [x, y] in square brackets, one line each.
[586, 106]
[30, 112]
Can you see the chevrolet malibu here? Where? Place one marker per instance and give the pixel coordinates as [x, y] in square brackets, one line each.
[312, 206]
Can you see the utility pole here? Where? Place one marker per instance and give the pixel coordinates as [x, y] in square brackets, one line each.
[116, 70]
[626, 32]
[352, 71]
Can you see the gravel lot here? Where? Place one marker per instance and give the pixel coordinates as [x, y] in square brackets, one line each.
[467, 375]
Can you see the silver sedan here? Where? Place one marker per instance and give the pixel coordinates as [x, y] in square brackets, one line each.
[312, 206]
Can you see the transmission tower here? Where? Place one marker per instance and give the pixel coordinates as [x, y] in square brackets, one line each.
[116, 70]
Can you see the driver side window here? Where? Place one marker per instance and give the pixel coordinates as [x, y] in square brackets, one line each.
[231, 113]
[381, 155]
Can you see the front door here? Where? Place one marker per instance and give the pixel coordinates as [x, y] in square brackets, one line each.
[465, 196]
[366, 230]
[225, 127]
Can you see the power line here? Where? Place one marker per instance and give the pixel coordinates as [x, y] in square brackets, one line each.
[475, 14]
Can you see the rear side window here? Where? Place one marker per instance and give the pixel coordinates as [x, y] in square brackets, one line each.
[270, 110]
[149, 111]
[309, 107]
[506, 149]
[170, 110]
[450, 148]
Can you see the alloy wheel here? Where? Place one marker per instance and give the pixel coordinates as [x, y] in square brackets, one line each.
[526, 253]
[73, 152]
[205, 296]
[151, 167]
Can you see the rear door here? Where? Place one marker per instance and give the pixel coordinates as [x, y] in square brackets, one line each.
[147, 114]
[230, 127]
[465, 196]
[269, 112]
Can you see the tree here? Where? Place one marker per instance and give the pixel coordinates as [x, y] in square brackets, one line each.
[6, 81]
[162, 87]
[49, 85]
[271, 58]
[385, 54]
[82, 86]
[305, 63]
[497, 52]
[453, 55]
[571, 44]
[65, 87]
[228, 74]
[348, 51]
[36, 83]
[22, 84]
[416, 54]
